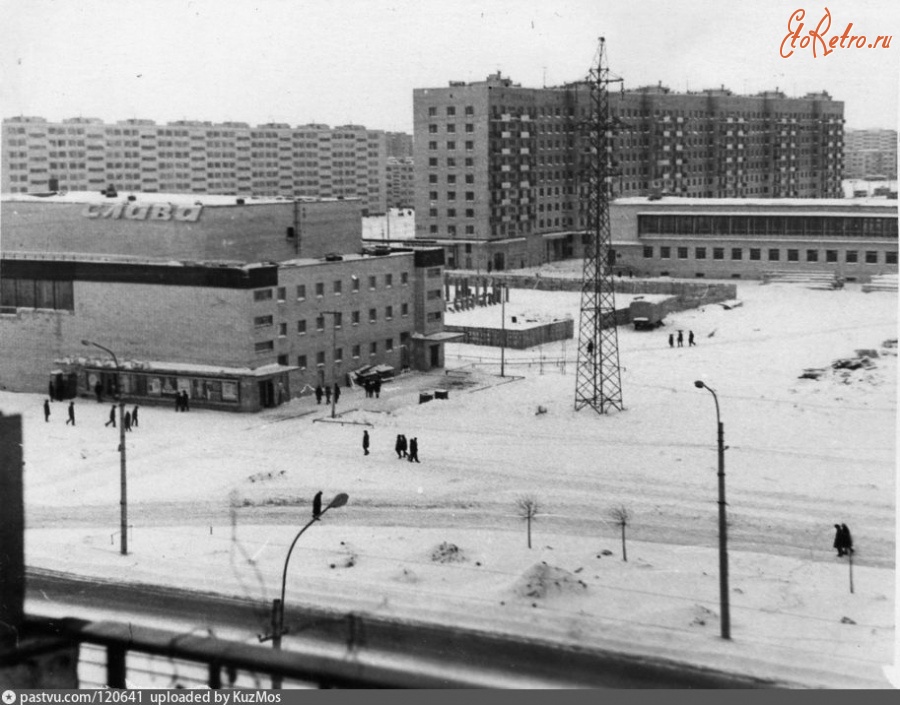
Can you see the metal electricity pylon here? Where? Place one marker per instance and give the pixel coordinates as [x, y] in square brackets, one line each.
[598, 381]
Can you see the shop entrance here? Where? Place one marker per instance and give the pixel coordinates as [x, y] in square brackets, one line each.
[266, 393]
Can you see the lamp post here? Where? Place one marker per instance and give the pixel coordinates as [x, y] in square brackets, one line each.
[723, 527]
[123, 499]
[334, 320]
[278, 629]
[503, 334]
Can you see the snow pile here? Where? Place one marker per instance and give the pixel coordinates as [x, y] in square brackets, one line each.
[448, 553]
[543, 581]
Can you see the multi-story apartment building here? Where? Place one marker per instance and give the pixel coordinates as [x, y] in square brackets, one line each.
[399, 145]
[498, 166]
[86, 154]
[870, 154]
[400, 179]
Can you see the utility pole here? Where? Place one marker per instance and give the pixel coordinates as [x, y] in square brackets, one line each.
[296, 227]
[598, 378]
[334, 319]
[503, 324]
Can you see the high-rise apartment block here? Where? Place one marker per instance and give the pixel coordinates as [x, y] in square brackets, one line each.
[232, 158]
[399, 144]
[400, 179]
[498, 166]
[870, 154]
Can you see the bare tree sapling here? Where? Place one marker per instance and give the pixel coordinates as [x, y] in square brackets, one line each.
[619, 514]
[527, 509]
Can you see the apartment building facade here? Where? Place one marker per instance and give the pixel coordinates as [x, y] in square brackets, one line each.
[233, 158]
[498, 166]
[870, 154]
[400, 179]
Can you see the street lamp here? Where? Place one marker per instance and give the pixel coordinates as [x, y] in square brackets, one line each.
[723, 528]
[334, 320]
[278, 629]
[123, 500]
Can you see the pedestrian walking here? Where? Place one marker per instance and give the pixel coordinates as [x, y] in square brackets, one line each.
[414, 450]
[185, 401]
[52, 391]
[177, 401]
[134, 417]
[671, 340]
[367, 385]
[337, 392]
[317, 505]
[398, 446]
[680, 339]
[327, 394]
[846, 539]
[378, 388]
[112, 417]
[691, 342]
[98, 390]
[838, 540]
[126, 421]
[46, 410]
[365, 442]
[71, 419]
[319, 394]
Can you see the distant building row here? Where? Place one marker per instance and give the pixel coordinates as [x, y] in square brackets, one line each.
[86, 154]
[498, 167]
[870, 154]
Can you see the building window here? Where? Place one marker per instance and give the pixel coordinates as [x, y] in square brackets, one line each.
[282, 293]
[389, 313]
[283, 360]
[700, 253]
[404, 278]
[338, 356]
[301, 292]
[320, 323]
[852, 256]
[338, 319]
[434, 317]
[665, 252]
[682, 253]
[301, 327]
[354, 318]
[432, 129]
[831, 255]
[320, 358]
[432, 161]
[451, 111]
[265, 346]
[282, 330]
[338, 287]
[470, 110]
[320, 289]
[404, 309]
[451, 145]
[262, 321]
[373, 349]
[356, 352]
[890, 258]
[793, 255]
[373, 281]
[718, 253]
[373, 315]
[389, 345]
[432, 145]
[774, 254]
[432, 178]
[451, 127]
[262, 295]
[470, 213]
[737, 253]
[301, 362]
[432, 111]
[470, 145]
[388, 281]
[355, 280]
[755, 253]
[648, 252]
[434, 294]
[871, 257]
[433, 272]
[812, 255]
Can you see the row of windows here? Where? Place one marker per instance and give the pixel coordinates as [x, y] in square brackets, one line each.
[773, 254]
[337, 287]
[451, 111]
[769, 225]
[36, 293]
[337, 317]
[267, 346]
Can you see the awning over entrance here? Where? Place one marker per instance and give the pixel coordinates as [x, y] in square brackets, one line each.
[558, 236]
[442, 337]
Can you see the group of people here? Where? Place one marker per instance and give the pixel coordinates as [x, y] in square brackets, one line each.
[70, 420]
[182, 401]
[129, 418]
[327, 392]
[372, 388]
[405, 449]
[843, 541]
[680, 339]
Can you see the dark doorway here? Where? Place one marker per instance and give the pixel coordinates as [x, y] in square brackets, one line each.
[435, 356]
[266, 393]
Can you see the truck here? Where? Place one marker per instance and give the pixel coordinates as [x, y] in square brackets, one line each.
[647, 313]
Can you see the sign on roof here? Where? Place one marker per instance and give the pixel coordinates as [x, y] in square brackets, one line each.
[144, 211]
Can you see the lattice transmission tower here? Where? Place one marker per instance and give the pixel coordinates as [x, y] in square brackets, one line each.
[598, 381]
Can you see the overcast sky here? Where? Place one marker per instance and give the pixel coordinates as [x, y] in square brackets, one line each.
[341, 61]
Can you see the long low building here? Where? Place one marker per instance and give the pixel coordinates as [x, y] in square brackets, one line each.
[747, 238]
[235, 333]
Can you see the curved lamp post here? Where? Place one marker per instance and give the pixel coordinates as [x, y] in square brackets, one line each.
[278, 629]
[723, 527]
[123, 501]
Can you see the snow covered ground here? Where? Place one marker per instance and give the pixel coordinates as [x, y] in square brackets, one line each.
[215, 499]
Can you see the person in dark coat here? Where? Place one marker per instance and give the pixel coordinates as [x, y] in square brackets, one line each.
[365, 442]
[327, 394]
[134, 417]
[71, 419]
[178, 401]
[317, 505]
[319, 394]
[404, 445]
[680, 339]
[414, 450]
[337, 392]
[112, 417]
[52, 391]
[846, 539]
[46, 410]
[126, 420]
[377, 388]
[671, 340]
[185, 402]
[691, 342]
[398, 446]
[98, 390]
[839, 540]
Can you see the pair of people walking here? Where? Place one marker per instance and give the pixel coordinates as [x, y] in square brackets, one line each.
[407, 449]
[843, 541]
[182, 401]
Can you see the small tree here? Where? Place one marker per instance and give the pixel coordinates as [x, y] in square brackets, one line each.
[620, 516]
[527, 509]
